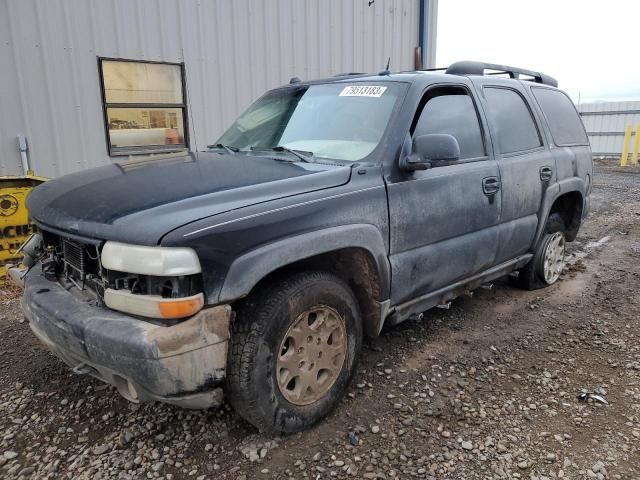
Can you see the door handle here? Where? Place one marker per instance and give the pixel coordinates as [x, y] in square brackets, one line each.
[546, 173]
[490, 185]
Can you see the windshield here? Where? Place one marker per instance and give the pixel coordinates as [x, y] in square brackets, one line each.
[336, 121]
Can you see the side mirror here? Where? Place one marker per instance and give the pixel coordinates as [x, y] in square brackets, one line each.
[426, 149]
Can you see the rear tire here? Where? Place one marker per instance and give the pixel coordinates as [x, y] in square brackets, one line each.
[294, 348]
[547, 264]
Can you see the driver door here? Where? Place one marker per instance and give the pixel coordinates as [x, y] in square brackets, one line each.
[444, 220]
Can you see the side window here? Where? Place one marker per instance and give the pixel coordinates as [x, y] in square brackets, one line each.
[511, 118]
[562, 117]
[452, 111]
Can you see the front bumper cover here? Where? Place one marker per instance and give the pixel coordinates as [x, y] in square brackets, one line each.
[183, 364]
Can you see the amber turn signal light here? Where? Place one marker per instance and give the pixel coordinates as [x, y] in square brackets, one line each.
[153, 306]
[180, 308]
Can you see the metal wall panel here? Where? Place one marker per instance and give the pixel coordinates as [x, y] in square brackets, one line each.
[233, 51]
[605, 123]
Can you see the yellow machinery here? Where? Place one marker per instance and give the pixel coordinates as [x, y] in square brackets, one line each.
[14, 219]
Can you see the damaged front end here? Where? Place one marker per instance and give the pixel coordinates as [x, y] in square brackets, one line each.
[144, 332]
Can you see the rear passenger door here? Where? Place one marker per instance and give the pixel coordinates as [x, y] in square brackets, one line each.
[525, 164]
[444, 220]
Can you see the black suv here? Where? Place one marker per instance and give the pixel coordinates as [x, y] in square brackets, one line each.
[328, 210]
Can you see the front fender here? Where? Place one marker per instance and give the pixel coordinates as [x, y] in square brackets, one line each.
[248, 269]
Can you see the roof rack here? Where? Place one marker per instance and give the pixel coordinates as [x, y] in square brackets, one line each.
[349, 74]
[478, 68]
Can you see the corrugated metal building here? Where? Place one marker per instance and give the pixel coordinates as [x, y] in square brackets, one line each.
[605, 123]
[215, 57]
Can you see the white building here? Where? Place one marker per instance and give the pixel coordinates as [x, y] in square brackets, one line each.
[606, 122]
[87, 81]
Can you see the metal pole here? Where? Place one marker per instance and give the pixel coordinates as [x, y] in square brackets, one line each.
[421, 20]
[625, 146]
[636, 145]
[427, 30]
[23, 147]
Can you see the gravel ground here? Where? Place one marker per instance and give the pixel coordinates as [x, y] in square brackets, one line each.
[487, 389]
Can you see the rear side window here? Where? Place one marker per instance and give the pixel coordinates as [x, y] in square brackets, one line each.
[562, 118]
[453, 113]
[511, 118]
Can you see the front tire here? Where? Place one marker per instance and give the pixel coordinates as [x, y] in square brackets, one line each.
[294, 348]
[548, 261]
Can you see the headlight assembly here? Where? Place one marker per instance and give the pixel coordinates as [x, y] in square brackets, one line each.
[156, 261]
[157, 280]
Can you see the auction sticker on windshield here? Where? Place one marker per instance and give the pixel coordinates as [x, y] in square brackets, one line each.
[363, 91]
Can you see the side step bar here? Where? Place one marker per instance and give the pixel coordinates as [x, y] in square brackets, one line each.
[443, 296]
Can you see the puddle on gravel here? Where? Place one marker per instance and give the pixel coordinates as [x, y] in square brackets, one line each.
[571, 287]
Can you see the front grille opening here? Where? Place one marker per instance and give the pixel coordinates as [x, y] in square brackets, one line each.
[81, 262]
[74, 256]
[73, 261]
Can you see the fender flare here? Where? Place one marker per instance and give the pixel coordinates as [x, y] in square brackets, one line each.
[248, 269]
[552, 193]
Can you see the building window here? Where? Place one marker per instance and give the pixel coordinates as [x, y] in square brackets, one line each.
[144, 106]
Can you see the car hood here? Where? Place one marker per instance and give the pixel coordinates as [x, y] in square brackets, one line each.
[139, 201]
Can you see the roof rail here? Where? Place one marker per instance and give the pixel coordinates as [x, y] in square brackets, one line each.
[349, 74]
[478, 68]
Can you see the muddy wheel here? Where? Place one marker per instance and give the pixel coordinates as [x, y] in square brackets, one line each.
[294, 348]
[548, 261]
[552, 260]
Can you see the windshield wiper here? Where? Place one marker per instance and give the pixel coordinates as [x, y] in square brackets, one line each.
[280, 148]
[228, 149]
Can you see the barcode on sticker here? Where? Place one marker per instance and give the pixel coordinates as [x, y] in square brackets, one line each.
[363, 91]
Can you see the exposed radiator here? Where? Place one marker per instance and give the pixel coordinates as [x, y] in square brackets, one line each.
[75, 257]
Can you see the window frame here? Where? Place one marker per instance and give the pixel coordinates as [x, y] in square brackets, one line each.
[424, 99]
[546, 118]
[142, 149]
[497, 151]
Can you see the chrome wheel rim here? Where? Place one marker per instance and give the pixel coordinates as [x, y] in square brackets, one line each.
[554, 258]
[311, 356]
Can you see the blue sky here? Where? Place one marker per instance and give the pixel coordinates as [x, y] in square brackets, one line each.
[591, 47]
